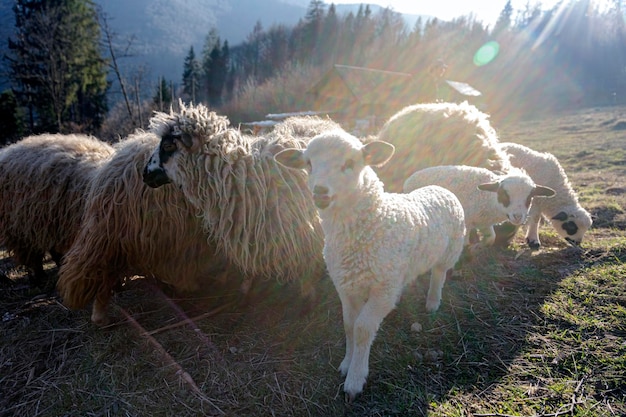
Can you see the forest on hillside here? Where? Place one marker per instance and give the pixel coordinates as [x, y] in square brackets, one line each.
[531, 62]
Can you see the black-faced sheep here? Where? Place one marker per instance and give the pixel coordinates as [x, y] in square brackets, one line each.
[258, 212]
[43, 180]
[487, 198]
[431, 134]
[129, 229]
[375, 242]
[568, 217]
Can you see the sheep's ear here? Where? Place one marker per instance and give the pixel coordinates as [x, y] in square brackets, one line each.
[377, 153]
[541, 191]
[489, 186]
[290, 158]
[561, 216]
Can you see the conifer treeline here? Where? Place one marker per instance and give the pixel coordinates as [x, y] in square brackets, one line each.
[570, 55]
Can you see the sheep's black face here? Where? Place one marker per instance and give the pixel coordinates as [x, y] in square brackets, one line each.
[154, 174]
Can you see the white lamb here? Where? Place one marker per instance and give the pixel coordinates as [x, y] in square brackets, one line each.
[487, 198]
[567, 216]
[375, 242]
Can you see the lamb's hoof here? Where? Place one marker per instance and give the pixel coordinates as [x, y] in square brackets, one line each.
[432, 306]
[533, 244]
[349, 398]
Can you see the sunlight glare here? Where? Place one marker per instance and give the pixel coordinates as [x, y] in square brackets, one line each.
[486, 53]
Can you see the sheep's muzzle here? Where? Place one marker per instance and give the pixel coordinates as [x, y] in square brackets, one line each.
[155, 178]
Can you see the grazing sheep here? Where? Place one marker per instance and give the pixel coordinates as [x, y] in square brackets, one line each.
[375, 242]
[509, 195]
[258, 212]
[431, 134]
[129, 229]
[43, 180]
[567, 216]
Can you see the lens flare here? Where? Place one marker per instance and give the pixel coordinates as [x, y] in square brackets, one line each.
[486, 53]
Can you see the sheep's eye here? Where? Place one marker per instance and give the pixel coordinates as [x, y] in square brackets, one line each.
[349, 165]
[168, 146]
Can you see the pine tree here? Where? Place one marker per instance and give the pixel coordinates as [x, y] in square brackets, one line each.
[56, 66]
[10, 120]
[191, 75]
[163, 95]
[504, 20]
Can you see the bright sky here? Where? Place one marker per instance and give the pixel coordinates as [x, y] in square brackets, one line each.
[485, 10]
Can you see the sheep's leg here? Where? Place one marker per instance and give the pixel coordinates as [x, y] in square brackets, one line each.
[437, 279]
[532, 229]
[377, 307]
[99, 310]
[350, 306]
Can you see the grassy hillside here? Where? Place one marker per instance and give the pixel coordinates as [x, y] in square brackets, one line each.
[519, 333]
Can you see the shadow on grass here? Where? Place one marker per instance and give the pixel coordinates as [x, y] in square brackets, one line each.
[277, 352]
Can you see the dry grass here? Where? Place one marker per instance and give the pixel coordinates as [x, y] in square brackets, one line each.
[518, 333]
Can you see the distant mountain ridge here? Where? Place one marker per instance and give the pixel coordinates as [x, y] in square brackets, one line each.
[162, 31]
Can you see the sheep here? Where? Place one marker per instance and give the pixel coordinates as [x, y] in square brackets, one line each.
[509, 195]
[433, 134]
[256, 210]
[567, 216]
[375, 242]
[303, 126]
[129, 229]
[42, 182]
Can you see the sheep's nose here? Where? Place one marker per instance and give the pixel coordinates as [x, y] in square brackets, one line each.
[320, 189]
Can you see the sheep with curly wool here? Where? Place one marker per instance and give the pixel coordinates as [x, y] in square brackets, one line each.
[487, 198]
[375, 242]
[570, 220]
[258, 212]
[43, 180]
[129, 229]
[431, 134]
[303, 126]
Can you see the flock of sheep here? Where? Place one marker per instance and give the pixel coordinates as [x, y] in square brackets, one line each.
[192, 201]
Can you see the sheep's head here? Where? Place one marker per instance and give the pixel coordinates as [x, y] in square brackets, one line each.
[515, 192]
[571, 223]
[335, 162]
[183, 132]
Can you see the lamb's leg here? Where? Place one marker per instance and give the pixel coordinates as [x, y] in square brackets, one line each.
[377, 307]
[437, 279]
[351, 307]
[532, 229]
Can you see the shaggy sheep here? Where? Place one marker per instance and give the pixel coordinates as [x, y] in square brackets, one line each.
[258, 212]
[42, 183]
[129, 229]
[303, 126]
[568, 218]
[431, 134]
[509, 195]
[375, 242]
